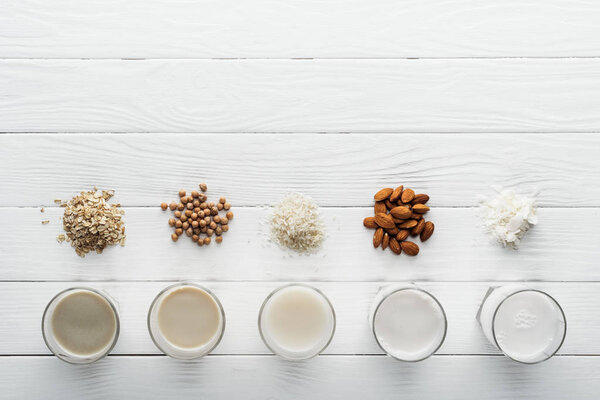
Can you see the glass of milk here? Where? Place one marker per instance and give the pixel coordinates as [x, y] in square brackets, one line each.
[296, 322]
[80, 325]
[526, 324]
[186, 321]
[409, 323]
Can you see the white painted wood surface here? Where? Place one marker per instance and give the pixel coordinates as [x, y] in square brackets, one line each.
[459, 95]
[504, 92]
[298, 28]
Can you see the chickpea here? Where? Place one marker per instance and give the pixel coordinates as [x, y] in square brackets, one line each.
[214, 211]
[224, 221]
[202, 223]
[222, 200]
[177, 214]
[180, 207]
[184, 200]
[195, 193]
[202, 197]
[178, 224]
[164, 206]
[207, 240]
[185, 225]
[229, 215]
[183, 218]
[171, 221]
[204, 229]
[179, 231]
[194, 224]
[225, 228]
[218, 231]
[213, 225]
[174, 237]
[195, 238]
[200, 214]
[208, 220]
[227, 206]
[219, 206]
[203, 205]
[200, 242]
[203, 187]
[173, 206]
[210, 204]
[194, 216]
[188, 213]
[190, 206]
[209, 232]
[181, 193]
[217, 219]
[196, 203]
[189, 232]
[219, 239]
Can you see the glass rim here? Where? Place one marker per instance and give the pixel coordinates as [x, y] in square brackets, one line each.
[260, 315]
[564, 334]
[113, 308]
[212, 296]
[385, 297]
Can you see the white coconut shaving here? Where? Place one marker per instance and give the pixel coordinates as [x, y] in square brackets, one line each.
[508, 216]
[296, 224]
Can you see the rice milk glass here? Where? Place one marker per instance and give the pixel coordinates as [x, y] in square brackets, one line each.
[80, 325]
[526, 324]
[408, 323]
[296, 322]
[186, 321]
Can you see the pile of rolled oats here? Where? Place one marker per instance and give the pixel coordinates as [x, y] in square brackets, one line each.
[91, 224]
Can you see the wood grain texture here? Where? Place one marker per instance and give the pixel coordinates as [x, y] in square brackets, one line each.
[458, 251]
[296, 28]
[335, 169]
[23, 304]
[461, 95]
[326, 377]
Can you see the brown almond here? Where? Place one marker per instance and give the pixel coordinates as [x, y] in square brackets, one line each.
[420, 199]
[380, 207]
[383, 194]
[370, 223]
[377, 237]
[420, 208]
[385, 241]
[416, 216]
[410, 248]
[393, 231]
[396, 194]
[402, 235]
[395, 246]
[427, 231]
[408, 224]
[384, 220]
[401, 212]
[419, 228]
[407, 195]
[389, 204]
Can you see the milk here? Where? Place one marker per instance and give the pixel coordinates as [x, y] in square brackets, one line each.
[186, 321]
[408, 323]
[80, 325]
[525, 324]
[296, 322]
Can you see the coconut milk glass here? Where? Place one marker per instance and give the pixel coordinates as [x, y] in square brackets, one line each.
[80, 325]
[186, 321]
[408, 323]
[296, 322]
[526, 324]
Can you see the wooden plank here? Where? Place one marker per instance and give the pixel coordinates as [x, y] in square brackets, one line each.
[335, 169]
[327, 377]
[296, 28]
[22, 303]
[460, 95]
[458, 251]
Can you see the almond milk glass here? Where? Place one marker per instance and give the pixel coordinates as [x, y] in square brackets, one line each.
[80, 325]
[408, 323]
[186, 321]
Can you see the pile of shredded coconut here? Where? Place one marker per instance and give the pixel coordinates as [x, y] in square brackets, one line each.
[296, 224]
[508, 216]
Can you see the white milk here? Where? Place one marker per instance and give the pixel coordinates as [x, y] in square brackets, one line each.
[297, 322]
[527, 325]
[408, 323]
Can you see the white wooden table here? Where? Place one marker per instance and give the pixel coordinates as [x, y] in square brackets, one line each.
[332, 98]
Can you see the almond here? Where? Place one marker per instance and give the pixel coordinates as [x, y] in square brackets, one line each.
[396, 194]
[401, 212]
[407, 195]
[389, 204]
[384, 220]
[402, 235]
[383, 194]
[420, 208]
[419, 228]
[395, 246]
[410, 248]
[411, 223]
[427, 231]
[370, 223]
[380, 207]
[385, 241]
[416, 216]
[393, 231]
[420, 199]
[377, 237]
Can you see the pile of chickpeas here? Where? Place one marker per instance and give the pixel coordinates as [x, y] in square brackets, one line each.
[198, 218]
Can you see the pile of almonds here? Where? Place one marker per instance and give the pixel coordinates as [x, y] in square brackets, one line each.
[399, 213]
[197, 218]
